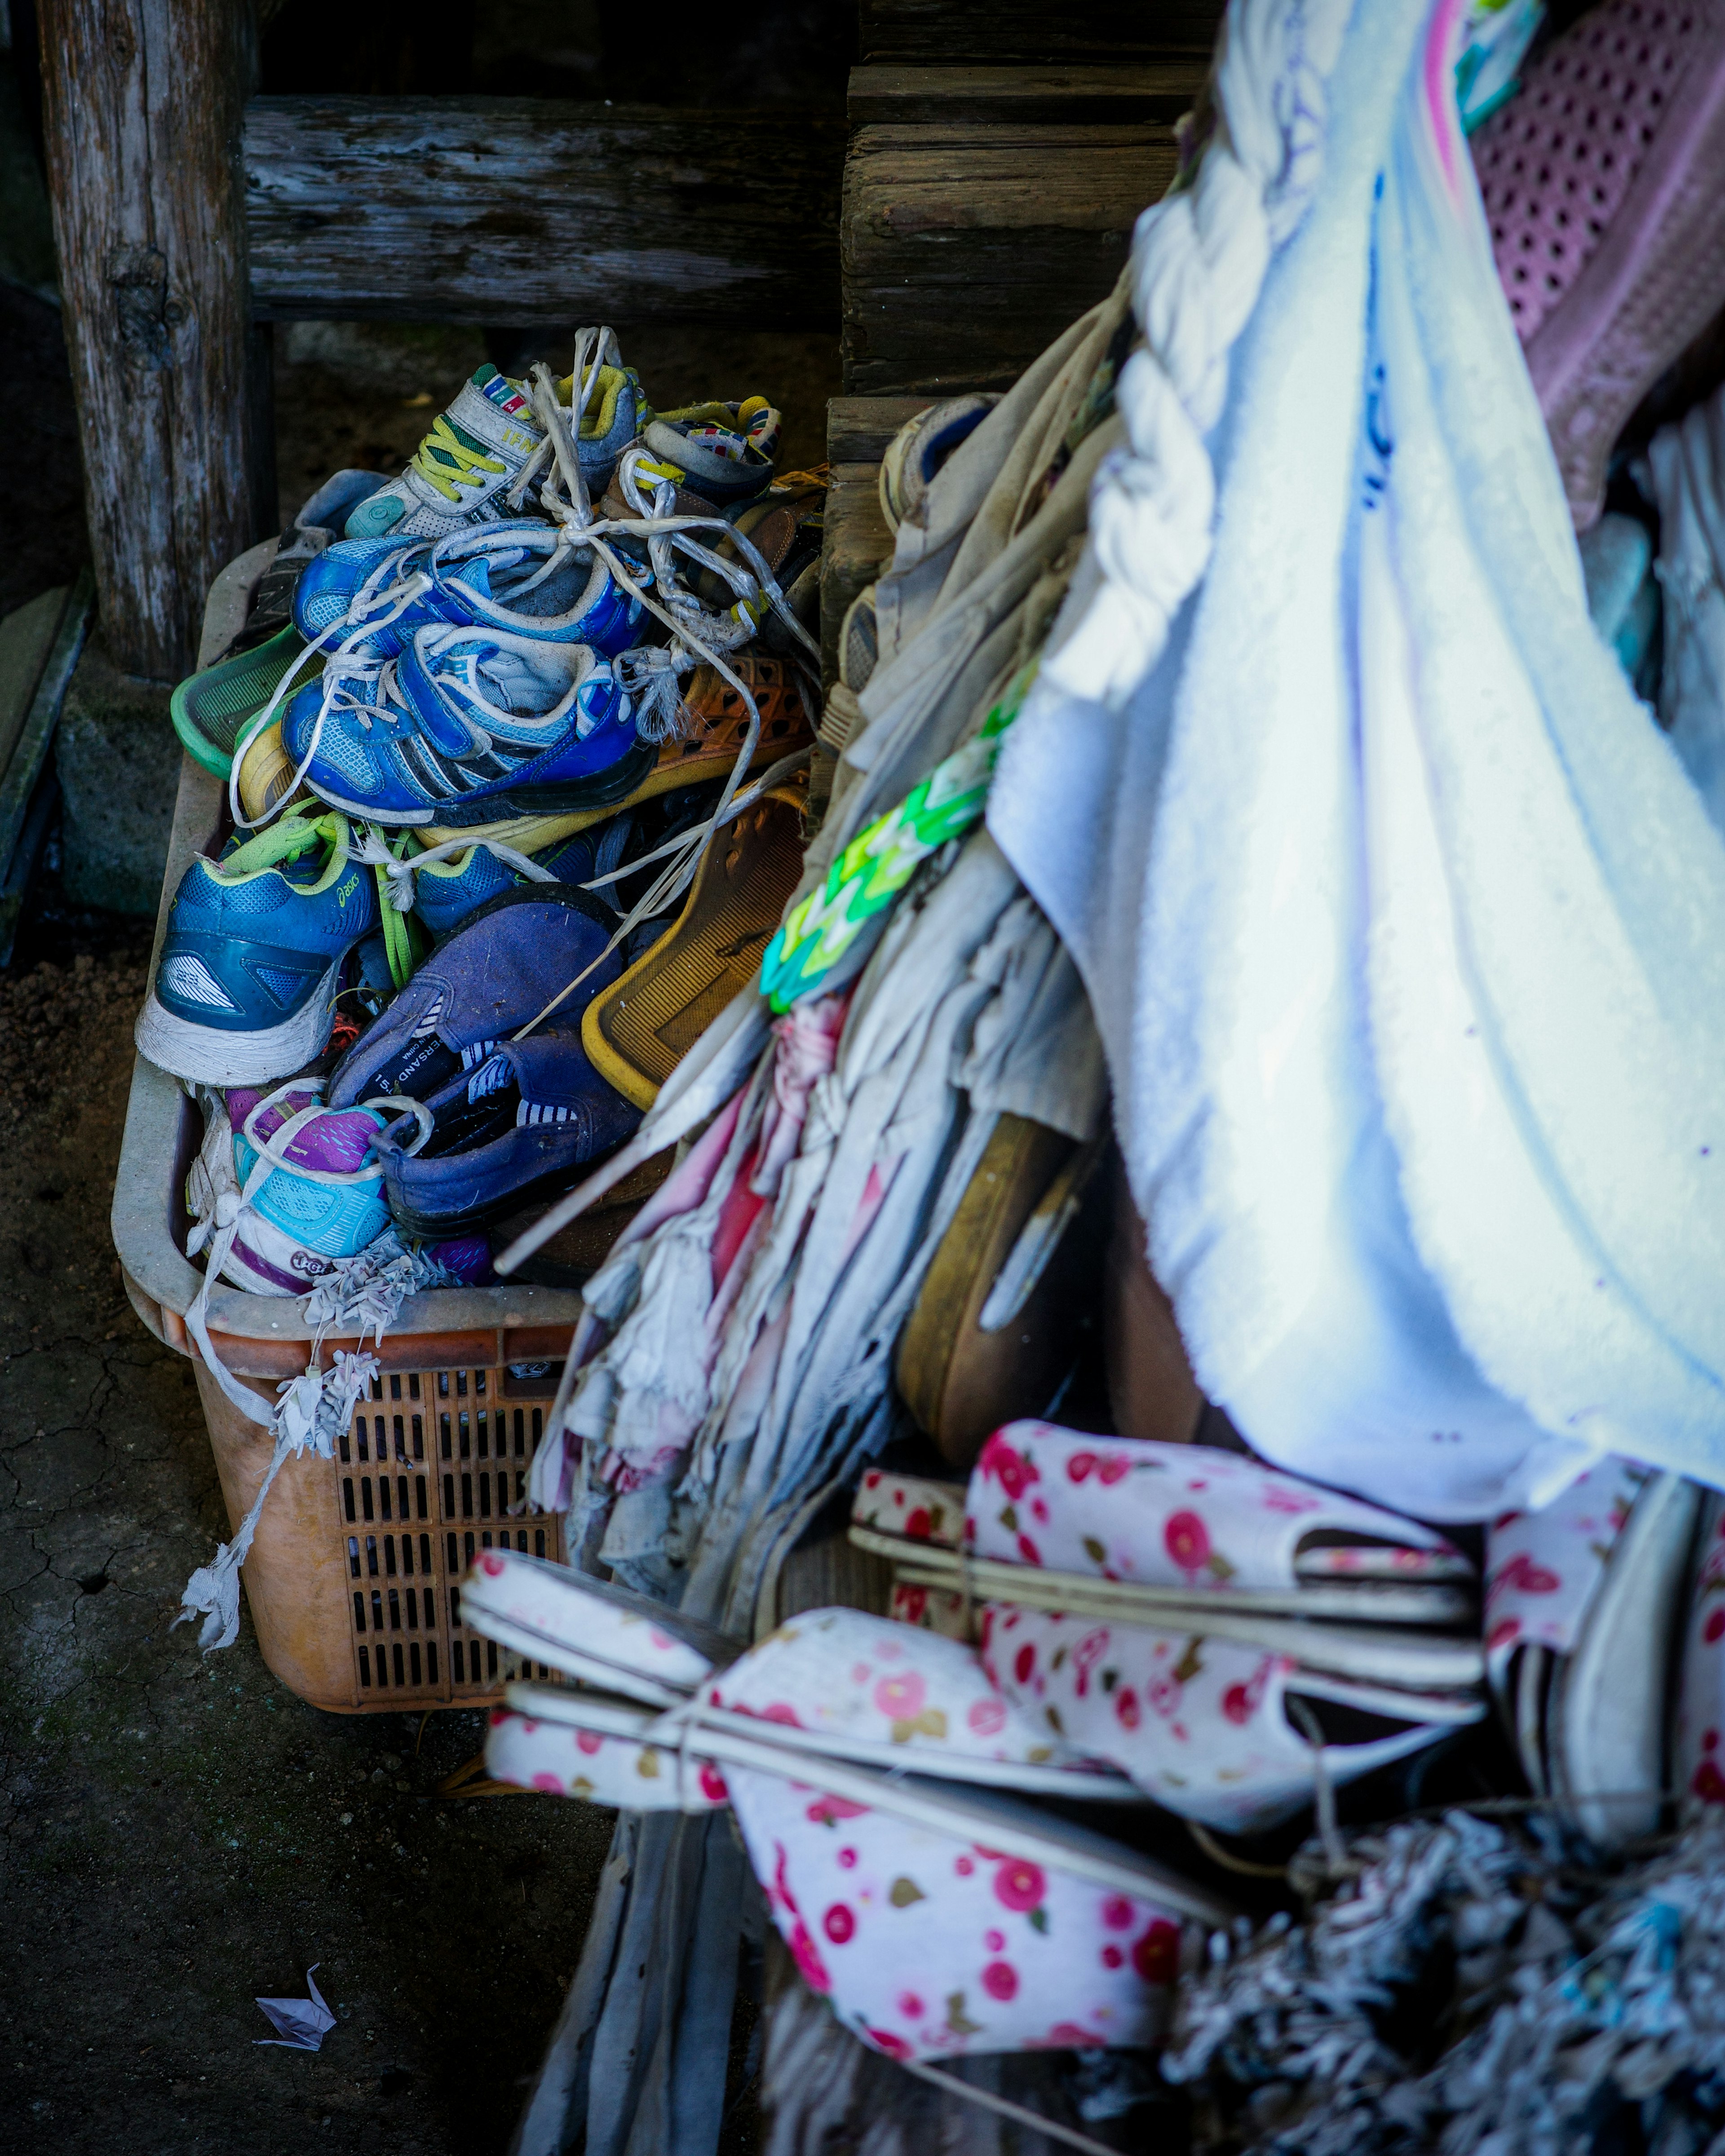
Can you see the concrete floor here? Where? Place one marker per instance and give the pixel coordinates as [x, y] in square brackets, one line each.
[179, 1833]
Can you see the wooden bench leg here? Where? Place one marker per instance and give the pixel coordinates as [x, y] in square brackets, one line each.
[141, 121]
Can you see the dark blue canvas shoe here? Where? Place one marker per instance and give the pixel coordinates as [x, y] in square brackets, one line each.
[500, 969]
[523, 1126]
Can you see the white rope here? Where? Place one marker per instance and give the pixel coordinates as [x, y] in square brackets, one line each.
[1198, 259]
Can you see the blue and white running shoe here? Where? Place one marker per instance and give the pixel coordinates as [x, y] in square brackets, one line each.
[469, 726]
[522, 576]
[244, 993]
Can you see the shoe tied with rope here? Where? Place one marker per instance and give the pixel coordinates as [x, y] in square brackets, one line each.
[519, 574]
[523, 1125]
[469, 726]
[297, 1228]
[718, 457]
[463, 472]
[245, 988]
[616, 856]
[447, 891]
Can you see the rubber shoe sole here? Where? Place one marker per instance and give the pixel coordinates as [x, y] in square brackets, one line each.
[211, 1057]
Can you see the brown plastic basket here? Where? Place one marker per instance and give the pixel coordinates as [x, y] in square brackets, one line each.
[352, 1578]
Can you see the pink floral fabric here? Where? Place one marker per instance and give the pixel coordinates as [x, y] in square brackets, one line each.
[1178, 1516]
[559, 1604]
[869, 1685]
[1700, 1734]
[1199, 1724]
[933, 1608]
[1543, 1569]
[910, 1506]
[599, 1766]
[927, 1945]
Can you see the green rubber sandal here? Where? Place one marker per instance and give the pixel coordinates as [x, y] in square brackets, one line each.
[212, 711]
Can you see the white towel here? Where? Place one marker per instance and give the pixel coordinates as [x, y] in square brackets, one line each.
[1399, 918]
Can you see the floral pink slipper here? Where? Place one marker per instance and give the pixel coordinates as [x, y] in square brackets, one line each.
[932, 1942]
[1582, 1608]
[571, 1743]
[1603, 183]
[898, 1516]
[1149, 1531]
[1218, 1731]
[1698, 1743]
[845, 1684]
[588, 1628]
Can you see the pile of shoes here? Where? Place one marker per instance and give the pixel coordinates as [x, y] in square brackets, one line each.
[483, 728]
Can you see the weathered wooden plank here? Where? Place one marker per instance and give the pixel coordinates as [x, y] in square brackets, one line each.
[1031, 33]
[860, 428]
[528, 210]
[855, 541]
[966, 250]
[898, 94]
[141, 104]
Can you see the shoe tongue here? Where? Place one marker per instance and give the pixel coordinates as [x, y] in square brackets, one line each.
[509, 395]
[490, 417]
[476, 573]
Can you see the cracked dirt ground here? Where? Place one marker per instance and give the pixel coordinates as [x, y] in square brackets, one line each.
[180, 1834]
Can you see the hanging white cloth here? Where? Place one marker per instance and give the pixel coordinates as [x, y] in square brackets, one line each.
[1399, 916]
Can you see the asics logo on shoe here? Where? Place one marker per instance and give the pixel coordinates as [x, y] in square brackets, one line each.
[191, 978]
[347, 890]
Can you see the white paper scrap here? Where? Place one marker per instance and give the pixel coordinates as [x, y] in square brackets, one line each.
[304, 2023]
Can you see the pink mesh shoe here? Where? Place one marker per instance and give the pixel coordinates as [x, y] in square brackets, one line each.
[1604, 186]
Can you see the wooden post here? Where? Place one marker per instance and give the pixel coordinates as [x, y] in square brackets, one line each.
[142, 120]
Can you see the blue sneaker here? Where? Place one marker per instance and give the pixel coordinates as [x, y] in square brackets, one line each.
[523, 1125]
[461, 474]
[245, 988]
[446, 892]
[494, 974]
[521, 575]
[469, 726]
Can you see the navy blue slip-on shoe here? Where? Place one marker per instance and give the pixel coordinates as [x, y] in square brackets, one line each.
[531, 1119]
[500, 968]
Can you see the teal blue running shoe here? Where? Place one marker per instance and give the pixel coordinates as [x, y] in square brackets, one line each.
[245, 988]
[447, 889]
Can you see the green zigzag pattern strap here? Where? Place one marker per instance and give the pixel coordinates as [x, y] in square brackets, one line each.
[880, 861]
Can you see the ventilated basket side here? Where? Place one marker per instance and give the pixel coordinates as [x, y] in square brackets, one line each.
[353, 1577]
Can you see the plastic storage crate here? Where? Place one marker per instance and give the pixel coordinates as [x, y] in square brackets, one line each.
[352, 1578]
